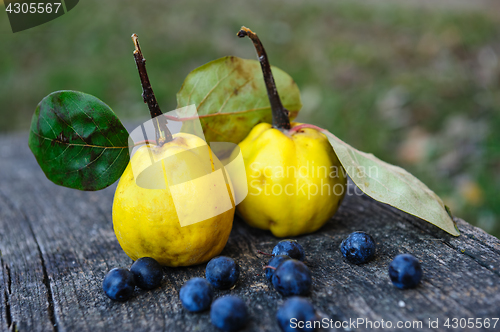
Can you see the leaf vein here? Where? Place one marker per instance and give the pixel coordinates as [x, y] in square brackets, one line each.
[92, 119]
[104, 172]
[232, 93]
[84, 145]
[213, 88]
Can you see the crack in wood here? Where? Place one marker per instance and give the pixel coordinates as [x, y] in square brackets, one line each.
[472, 237]
[8, 314]
[474, 258]
[9, 280]
[11, 324]
[45, 280]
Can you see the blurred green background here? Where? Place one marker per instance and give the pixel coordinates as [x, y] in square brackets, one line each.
[415, 83]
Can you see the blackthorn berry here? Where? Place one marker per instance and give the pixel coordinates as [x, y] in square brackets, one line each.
[229, 313]
[294, 310]
[290, 248]
[147, 273]
[274, 262]
[222, 272]
[358, 248]
[119, 284]
[292, 277]
[405, 271]
[196, 295]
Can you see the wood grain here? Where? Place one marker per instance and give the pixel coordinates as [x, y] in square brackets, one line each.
[57, 245]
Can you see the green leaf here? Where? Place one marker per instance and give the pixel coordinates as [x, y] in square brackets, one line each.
[231, 98]
[392, 185]
[78, 141]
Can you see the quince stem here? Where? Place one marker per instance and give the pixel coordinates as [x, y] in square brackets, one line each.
[281, 118]
[163, 135]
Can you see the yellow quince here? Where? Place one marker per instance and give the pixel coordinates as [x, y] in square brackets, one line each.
[295, 180]
[168, 203]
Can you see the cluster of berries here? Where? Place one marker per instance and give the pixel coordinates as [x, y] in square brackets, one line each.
[145, 273]
[285, 270]
[228, 313]
[290, 276]
[405, 270]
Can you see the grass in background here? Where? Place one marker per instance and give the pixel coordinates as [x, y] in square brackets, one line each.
[419, 88]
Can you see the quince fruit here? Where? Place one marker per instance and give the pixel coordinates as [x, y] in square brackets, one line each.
[295, 180]
[170, 209]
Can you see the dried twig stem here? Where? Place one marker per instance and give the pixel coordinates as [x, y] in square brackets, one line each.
[162, 133]
[280, 113]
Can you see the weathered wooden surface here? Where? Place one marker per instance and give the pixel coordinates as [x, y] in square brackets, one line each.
[57, 244]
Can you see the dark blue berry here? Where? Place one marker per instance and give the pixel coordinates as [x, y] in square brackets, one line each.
[147, 273]
[222, 272]
[229, 313]
[296, 314]
[119, 284]
[358, 248]
[196, 295]
[292, 277]
[290, 248]
[274, 262]
[405, 271]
